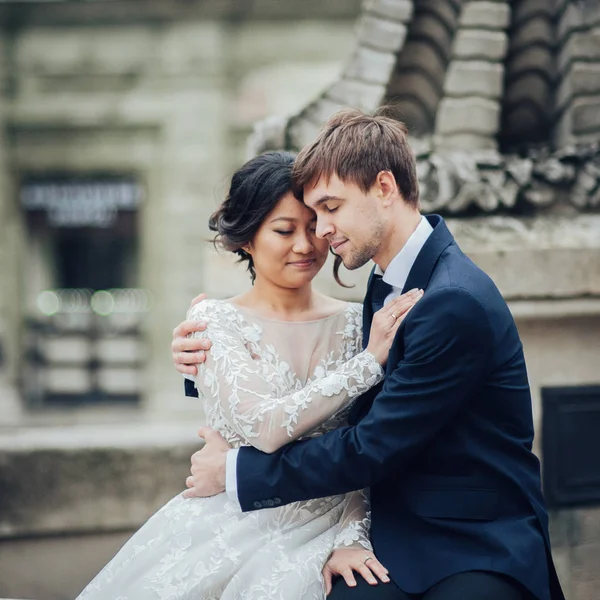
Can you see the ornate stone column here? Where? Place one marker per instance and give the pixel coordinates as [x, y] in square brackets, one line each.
[578, 82]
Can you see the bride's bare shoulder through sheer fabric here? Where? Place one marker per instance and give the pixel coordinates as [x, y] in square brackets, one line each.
[265, 383]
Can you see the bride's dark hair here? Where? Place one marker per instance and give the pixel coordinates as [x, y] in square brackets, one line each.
[256, 188]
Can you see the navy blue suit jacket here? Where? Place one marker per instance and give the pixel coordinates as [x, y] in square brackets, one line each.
[444, 443]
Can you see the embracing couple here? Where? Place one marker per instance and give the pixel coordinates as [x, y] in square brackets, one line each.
[380, 451]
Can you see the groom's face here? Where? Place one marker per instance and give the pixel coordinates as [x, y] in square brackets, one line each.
[348, 218]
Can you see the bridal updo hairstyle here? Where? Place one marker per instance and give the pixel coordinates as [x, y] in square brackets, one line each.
[255, 190]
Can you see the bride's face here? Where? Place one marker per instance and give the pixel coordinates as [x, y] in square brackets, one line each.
[285, 249]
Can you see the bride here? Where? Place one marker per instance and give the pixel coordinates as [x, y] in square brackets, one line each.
[286, 362]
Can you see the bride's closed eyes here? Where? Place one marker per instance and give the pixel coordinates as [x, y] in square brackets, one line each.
[289, 232]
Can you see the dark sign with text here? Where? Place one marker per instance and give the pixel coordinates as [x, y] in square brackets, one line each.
[81, 202]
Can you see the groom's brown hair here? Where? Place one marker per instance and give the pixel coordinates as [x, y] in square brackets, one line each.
[356, 147]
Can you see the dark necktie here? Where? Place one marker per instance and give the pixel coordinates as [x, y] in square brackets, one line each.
[379, 292]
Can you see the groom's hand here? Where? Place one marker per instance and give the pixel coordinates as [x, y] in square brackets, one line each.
[208, 466]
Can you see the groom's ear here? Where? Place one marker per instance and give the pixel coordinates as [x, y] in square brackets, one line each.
[386, 188]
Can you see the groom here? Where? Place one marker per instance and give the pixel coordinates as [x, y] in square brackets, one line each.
[444, 444]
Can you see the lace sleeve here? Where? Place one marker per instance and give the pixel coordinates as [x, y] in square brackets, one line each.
[252, 395]
[355, 524]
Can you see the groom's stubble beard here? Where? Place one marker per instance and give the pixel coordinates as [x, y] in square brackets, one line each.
[362, 255]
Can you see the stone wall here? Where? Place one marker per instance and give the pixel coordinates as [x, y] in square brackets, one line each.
[170, 103]
[85, 491]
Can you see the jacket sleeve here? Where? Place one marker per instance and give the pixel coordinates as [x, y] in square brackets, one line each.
[447, 343]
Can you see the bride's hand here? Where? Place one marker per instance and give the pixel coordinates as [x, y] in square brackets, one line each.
[189, 351]
[344, 561]
[386, 322]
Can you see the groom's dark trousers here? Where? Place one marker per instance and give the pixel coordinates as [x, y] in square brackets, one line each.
[444, 444]
[473, 585]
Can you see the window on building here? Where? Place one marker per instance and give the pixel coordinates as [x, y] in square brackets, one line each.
[83, 341]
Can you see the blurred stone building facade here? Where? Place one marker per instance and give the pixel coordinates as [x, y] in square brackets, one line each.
[148, 105]
[121, 121]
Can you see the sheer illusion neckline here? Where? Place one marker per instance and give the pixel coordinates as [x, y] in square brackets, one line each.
[257, 315]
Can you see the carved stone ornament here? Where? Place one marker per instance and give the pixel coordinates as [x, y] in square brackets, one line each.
[466, 183]
[501, 98]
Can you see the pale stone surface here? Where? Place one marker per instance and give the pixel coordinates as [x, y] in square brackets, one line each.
[583, 79]
[580, 122]
[474, 77]
[88, 489]
[357, 94]
[464, 141]
[275, 92]
[381, 34]
[123, 350]
[580, 44]
[578, 15]
[555, 257]
[157, 12]
[305, 40]
[100, 478]
[261, 8]
[120, 380]
[586, 526]
[481, 13]
[67, 348]
[55, 568]
[575, 364]
[397, 10]
[585, 575]
[586, 117]
[370, 66]
[470, 115]
[475, 43]
[320, 110]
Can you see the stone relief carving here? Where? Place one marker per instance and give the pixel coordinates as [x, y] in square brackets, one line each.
[502, 100]
[465, 183]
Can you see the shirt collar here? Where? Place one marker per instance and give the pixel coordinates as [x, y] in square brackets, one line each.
[397, 272]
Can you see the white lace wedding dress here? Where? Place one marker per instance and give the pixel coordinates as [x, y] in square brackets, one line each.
[264, 383]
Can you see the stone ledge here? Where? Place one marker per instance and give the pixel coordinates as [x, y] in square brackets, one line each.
[546, 259]
[159, 11]
[555, 309]
[90, 479]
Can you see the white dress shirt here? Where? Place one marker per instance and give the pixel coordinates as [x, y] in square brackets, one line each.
[395, 275]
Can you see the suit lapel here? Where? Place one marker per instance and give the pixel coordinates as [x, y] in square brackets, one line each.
[367, 311]
[422, 269]
[418, 277]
